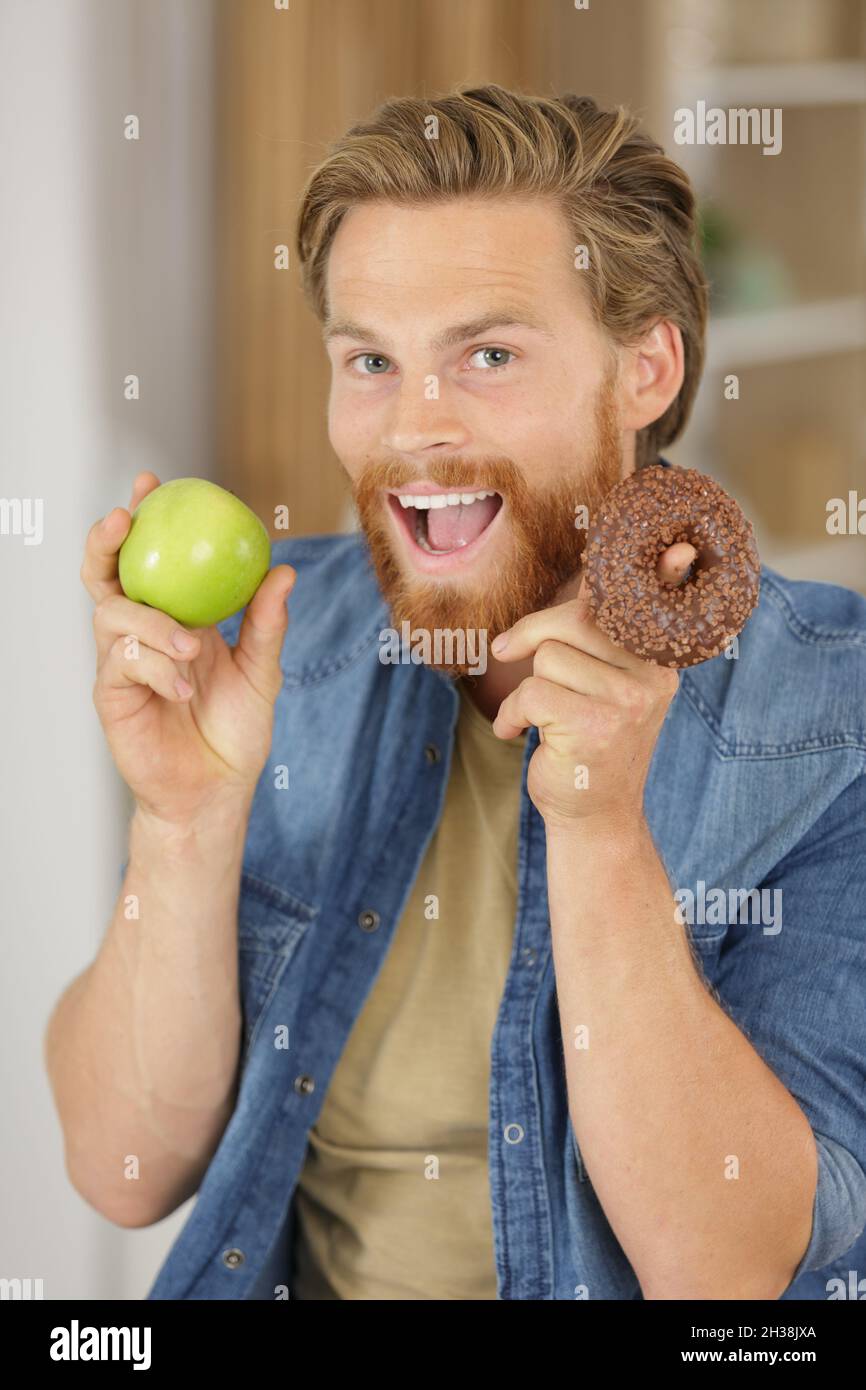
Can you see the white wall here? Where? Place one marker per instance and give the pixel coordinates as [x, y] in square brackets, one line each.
[105, 268]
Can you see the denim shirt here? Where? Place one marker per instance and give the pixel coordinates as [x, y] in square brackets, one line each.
[756, 781]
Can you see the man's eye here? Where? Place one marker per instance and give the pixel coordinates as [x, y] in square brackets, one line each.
[370, 364]
[492, 357]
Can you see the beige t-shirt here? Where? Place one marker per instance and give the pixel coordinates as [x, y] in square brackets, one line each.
[393, 1200]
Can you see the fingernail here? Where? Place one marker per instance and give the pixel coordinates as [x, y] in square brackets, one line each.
[499, 643]
[182, 641]
[182, 687]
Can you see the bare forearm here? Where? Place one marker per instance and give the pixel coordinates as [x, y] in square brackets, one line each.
[703, 1161]
[143, 1047]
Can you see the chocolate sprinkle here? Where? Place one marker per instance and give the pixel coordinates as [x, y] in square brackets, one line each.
[648, 511]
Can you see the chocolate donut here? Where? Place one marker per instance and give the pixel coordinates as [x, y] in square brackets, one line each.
[651, 509]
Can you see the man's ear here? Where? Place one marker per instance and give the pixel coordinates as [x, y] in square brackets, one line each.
[651, 375]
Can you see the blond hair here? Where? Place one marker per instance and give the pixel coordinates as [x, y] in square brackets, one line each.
[631, 206]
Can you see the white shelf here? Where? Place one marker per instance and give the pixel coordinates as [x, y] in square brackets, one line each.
[778, 84]
[786, 334]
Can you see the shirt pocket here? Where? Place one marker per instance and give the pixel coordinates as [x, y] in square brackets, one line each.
[271, 926]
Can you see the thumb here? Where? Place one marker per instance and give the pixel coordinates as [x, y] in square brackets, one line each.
[260, 639]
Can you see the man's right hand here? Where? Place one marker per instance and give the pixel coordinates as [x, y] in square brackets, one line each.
[189, 726]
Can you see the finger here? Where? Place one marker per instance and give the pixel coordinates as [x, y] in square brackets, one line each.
[140, 665]
[143, 484]
[534, 701]
[117, 616]
[569, 622]
[260, 640]
[104, 539]
[675, 563]
[99, 567]
[573, 669]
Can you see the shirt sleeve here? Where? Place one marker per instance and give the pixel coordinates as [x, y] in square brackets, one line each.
[797, 993]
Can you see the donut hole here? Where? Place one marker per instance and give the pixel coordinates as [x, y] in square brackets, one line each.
[688, 561]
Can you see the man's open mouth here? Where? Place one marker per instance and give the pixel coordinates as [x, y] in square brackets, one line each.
[445, 522]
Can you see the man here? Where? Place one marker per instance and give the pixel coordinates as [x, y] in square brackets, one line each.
[423, 995]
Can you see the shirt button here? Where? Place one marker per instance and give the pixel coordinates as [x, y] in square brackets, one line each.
[432, 753]
[304, 1085]
[513, 1133]
[368, 920]
[233, 1258]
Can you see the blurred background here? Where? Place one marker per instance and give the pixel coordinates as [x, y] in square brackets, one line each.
[154, 258]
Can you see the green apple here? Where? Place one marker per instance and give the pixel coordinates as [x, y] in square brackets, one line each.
[194, 551]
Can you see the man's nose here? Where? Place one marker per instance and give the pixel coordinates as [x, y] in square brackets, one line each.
[421, 417]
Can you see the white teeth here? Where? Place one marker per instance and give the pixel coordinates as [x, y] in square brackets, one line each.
[443, 499]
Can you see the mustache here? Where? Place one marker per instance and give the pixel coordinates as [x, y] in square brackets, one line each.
[457, 474]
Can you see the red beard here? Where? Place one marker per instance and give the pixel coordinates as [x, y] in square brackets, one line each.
[541, 553]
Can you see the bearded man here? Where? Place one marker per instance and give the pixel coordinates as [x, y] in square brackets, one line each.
[414, 1010]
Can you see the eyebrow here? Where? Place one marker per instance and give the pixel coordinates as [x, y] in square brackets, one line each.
[450, 337]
